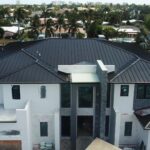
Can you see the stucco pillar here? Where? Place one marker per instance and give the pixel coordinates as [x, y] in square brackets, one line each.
[57, 131]
[117, 128]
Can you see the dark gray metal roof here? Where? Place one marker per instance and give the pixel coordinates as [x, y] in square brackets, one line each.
[14, 47]
[33, 73]
[38, 63]
[144, 120]
[56, 52]
[133, 48]
[137, 72]
[21, 68]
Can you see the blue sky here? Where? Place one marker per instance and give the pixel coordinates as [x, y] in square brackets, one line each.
[48, 1]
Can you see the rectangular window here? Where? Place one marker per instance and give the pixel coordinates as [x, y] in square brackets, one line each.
[65, 126]
[85, 97]
[128, 129]
[43, 91]
[143, 91]
[140, 92]
[44, 128]
[65, 95]
[108, 96]
[107, 126]
[16, 92]
[124, 90]
[147, 95]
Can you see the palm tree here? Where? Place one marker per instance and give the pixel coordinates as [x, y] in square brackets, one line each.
[20, 15]
[4, 11]
[35, 25]
[72, 24]
[60, 23]
[50, 28]
[1, 33]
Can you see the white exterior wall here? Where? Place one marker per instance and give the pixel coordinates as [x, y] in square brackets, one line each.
[123, 104]
[24, 125]
[57, 131]
[134, 139]
[42, 109]
[144, 135]
[1, 94]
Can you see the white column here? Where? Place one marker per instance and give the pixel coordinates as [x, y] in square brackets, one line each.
[57, 131]
[148, 141]
[23, 119]
[117, 128]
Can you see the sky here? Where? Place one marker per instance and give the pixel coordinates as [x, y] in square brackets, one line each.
[49, 1]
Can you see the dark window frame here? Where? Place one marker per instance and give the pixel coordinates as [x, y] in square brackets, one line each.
[16, 92]
[79, 102]
[122, 88]
[143, 94]
[66, 126]
[128, 128]
[44, 129]
[43, 91]
[107, 122]
[65, 95]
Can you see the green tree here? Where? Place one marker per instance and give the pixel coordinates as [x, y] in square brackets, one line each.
[50, 28]
[20, 15]
[60, 23]
[4, 12]
[1, 33]
[5, 22]
[80, 35]
[72, 24]
[109, 32]
[94, 30]
[147, 21]
[35, 22]
[33, 34]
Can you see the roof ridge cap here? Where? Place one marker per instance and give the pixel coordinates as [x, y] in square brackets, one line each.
[147, 61]
[52, 71]
[39, 62]
[125, 69]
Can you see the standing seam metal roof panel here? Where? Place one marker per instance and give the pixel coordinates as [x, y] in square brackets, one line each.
[139, 72]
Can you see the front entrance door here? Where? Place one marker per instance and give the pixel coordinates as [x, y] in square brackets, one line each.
[84, 131]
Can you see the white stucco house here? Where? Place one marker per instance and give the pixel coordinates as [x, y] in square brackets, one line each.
[66, 92]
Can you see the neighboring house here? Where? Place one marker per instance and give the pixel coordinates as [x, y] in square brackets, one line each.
[70, 91]
[10, 31]
[131, 31]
